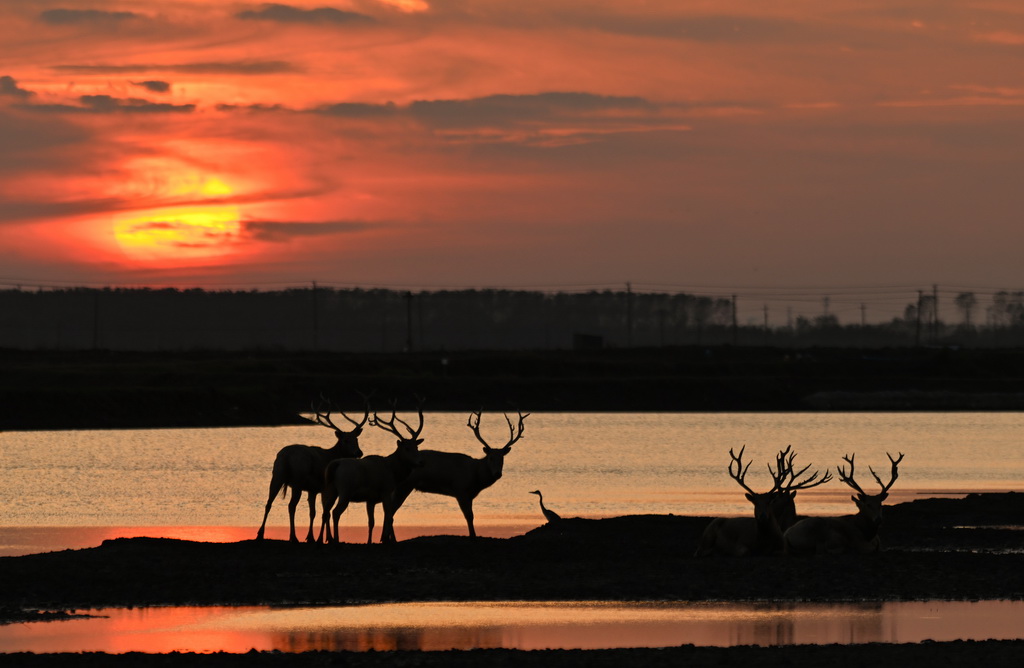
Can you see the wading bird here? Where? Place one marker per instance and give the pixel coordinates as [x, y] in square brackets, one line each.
[549, 515]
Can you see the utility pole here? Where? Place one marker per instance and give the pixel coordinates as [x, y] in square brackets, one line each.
[917, 330]
[408, 321]
[735, 324]
[96, 320]
[629, 315]
[316, 322]
[863, 315]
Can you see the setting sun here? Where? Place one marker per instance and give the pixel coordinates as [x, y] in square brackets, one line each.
[185, 232]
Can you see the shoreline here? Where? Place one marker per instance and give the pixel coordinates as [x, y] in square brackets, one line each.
[935, 548]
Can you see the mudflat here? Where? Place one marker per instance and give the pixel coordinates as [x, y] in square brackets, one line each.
[938, 548]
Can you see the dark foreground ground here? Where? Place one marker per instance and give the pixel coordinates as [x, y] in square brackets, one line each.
[954, 549]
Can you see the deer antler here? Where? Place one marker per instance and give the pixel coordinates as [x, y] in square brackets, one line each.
[514, 432]
[389, 425]
[324, 418]
[741, 471]
[894, 474]
[784, 463]
[848, 479]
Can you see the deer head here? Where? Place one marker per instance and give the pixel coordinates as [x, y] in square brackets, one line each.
[495, 457]
[870, 505]
[412, 441]
[762, 500]
[348, 441]
[788, 482]
[777, 503]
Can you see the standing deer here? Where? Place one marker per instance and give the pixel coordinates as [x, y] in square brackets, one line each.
[372, 480]
[459, 475]
[774, 510]
[301, 468]
[856, 534]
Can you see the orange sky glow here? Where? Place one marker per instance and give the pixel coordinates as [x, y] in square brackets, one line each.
[483, 143]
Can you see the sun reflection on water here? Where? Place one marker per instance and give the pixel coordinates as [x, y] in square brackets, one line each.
[442, 626]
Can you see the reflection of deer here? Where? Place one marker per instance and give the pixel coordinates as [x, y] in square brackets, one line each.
[849, 533]
[301, 467]
[774, 510]
[458, 475]
[371, 480]
[549, 515]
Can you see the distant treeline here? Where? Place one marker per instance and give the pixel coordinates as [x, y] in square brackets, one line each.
[358, 320]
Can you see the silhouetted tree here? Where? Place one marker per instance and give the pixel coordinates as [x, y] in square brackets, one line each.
[965, 301]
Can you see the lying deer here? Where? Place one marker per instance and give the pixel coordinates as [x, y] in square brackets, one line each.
[372, 480]
[850, 533]
[774, 510]
[458, 475]
[301, 467]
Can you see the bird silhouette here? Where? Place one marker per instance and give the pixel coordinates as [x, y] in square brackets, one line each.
[549, 515]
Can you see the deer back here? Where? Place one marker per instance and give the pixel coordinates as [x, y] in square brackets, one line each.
[452, 474]
[366, 479]
[302, 466]
[729, 536]
[832, 535]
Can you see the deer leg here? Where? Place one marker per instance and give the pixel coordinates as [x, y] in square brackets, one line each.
[466, 505]
[387, 535]
[311, 497]
[275, 487]
[327, 498]
[292, 505]
[398, 497]
[370, 508]
[338, 510]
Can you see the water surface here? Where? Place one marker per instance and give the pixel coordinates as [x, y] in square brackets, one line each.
[587, 465]
[516, 625]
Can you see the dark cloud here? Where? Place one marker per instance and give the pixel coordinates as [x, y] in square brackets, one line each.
[267, 230]
[357, 109]
[251, 107]
[319, 16]
[79, 16]
[713, 28]
[251, 67]
[474, 112]
[514, 109]
[154, 86]
[10, 88]
[103, 104]
[19, 210]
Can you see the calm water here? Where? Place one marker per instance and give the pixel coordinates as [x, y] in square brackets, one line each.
[211, 484]
[518, 625]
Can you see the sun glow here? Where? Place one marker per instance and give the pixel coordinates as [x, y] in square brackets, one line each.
[182, 233]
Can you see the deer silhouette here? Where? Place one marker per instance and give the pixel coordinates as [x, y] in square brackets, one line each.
[857, 533]
[774, 510]
[371, 480]
[301, 467]
[458, 475]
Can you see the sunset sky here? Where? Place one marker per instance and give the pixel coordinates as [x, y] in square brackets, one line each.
[729, 146]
